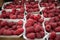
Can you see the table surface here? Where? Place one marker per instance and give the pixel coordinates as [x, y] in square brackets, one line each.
[21, 38]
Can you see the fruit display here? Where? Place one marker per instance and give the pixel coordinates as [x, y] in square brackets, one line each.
[33, 26]
[54, 36]
[37, 19]
[53, 24]
[9, 28]
[32, 7]
[51, 12]
[14, 14]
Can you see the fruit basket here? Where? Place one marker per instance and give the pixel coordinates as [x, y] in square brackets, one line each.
[52, 24]
[53, 36]
[11, 28]
[34, 29]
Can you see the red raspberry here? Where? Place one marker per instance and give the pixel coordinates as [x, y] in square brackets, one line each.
[3, 23]
[14, 27]
[10, 24]
[36, 5]
[39, 16]
[19, 31]
[48, 28]
[32, 3]
[7, 32]
[42, 34]
[36, 17]
[41, 20]
[20, 22]
[18, 26]
[29, 29]
[45, 15]
[52, 35]
[31, 16]
[38, 35]
[12, 16]
[56, 19]
[58, 23]
[53, 25]
[37, 28]
[57, 29]
[31, 35]
[59, 15]
[57, 37]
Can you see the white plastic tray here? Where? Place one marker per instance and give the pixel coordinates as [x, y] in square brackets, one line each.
[36, 38]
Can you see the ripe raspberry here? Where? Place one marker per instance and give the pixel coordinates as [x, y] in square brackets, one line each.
[31, 35]
[14, 27]
[42, 34]
[20, 22]
[58, 23]
[52, 35]
[38, 35]
[57, 29]
[29, 29]
[45, 15]
[53, 25]
[18, 26]
[12, 16]
[19, 31]
[37, 28]
[48, 28]
[3, 23]
[41, 20]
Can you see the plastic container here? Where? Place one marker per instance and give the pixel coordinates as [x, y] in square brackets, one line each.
[12, 36]
[24, 35]
[47, 36]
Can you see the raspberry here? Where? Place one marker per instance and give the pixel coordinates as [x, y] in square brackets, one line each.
[38, 35]
[3, 23]
[57, 29]
[45, 15]
[41, 20]
[58, 23]
[20, 22]
[19, 31]
[14, 27]
[32, 3]
[37, 28]
[29, 29]
[18, 26]
[42, 34]
[53, 25]
[12, 16]
[48, 28]
[31, 35]
[52, 35]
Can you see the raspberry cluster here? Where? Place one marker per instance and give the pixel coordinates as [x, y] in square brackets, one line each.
[13, 5]
[11, 28]
[53, 24]
[32, 6]
[14, 14]
[34, 27]
[51, 12]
